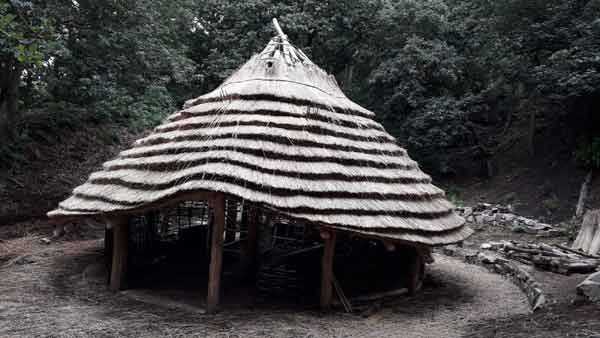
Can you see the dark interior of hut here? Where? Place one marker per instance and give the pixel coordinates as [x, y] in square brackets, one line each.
[169, 254]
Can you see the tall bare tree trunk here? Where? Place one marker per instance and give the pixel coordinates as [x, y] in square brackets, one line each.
[583, 194]
[10, 78]
[532, 122]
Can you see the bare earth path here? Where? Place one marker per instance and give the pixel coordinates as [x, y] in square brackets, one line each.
[50, 293]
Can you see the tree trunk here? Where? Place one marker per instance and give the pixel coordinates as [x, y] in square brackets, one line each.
[10, 79]
[588, 238]
[585, 187]
[531, 143]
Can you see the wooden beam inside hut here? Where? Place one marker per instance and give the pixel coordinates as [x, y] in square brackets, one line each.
[216, 254]
[327, 269]
[120, 230]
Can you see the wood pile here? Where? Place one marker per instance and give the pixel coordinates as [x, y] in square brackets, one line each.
[556, 258]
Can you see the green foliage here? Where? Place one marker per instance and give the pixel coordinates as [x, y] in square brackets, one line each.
[453, 195]
[449, 78]
[25, 33]
[588, 154]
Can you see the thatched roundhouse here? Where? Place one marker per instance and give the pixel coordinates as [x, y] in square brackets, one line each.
[280, 134]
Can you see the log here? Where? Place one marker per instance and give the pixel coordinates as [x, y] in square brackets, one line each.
[379, 295]
[581, 253]
[216, 254]
[327, 269]
[120, 229]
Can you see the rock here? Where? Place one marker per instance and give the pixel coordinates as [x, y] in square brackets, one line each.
[479, 219]
[486, 246]
[467, 211]
[488, 218]
[590, 288]
[543, 226]
[550, 233]
[530, 230]
[449, 250]
[518, 228]
[24, 260]
[471, 257]
[45, 240]
[508, 217]
[486, 258]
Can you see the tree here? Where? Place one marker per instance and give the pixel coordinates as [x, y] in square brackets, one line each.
[26, 37]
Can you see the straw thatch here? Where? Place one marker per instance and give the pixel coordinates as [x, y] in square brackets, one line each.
[279, 132]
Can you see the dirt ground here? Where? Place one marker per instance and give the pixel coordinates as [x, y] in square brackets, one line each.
[58, 290]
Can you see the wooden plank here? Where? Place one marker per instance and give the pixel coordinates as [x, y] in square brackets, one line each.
[327, 269]
[340, 292]
[120, 229]
[216, 254]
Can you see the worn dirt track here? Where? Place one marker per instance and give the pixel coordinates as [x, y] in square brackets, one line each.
[52, 293]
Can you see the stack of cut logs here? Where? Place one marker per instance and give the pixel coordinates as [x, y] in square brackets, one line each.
[556, 258]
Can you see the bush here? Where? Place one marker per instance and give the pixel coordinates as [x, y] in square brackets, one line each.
[588, 154]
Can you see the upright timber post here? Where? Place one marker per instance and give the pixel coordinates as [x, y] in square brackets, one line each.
[327, 269]
[252, 239]
[230, 221]
[216, 254]
[416, 272]
[120, 230]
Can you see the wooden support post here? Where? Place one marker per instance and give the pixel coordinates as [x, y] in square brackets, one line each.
[252, 239]
[327, 269]
[108, 250]
[230, 221]
[120, 230]
[216, 254]
[416, 272]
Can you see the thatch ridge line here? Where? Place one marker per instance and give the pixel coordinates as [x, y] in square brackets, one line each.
[288, 123]
[408, 176]
[336, 212]
[265, 181]
[275, 135]
[259, 148]
[275, 98]
[274, 109]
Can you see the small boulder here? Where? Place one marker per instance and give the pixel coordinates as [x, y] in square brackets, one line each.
[508, 217]
[486, 258]
[590, 288]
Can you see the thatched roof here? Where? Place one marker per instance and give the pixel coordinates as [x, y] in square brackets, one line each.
[279, 132]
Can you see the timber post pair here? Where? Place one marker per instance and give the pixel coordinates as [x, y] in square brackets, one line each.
[120, 232]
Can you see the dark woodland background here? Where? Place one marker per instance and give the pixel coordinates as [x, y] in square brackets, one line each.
[472, 88]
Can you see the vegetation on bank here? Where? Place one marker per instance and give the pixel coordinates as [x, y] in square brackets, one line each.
[457, 81]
